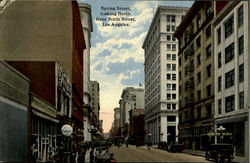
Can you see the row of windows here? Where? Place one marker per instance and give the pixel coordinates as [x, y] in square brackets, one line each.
[173, 106]
[230, 79]
[169, 96]
[169, 86]
[170, 28]
[173, 57]
[169, 67]
[169, 38]
[229, 25]
[169, 76]
[170, 18]
[230, 103]
[169, 47]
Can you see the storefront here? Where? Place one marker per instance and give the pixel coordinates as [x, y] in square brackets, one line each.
[44, 130]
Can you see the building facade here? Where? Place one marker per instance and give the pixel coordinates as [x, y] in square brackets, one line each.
[231, 65]
[95, 98]
[161, 74]
[196, 76]
[14, 113]
[131, 98]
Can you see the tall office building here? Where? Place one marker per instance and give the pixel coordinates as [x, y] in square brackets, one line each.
[196, 76]
[161, 75]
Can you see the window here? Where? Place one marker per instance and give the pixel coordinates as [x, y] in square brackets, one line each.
[229, 80]
[168, 56]
[173, 67]
[198, 21]
[173, 76]
[199, 77]
[168, 28]
[208, 11]
[173, 18]
[168, 96]
[219, 106]
[174, 87]
[169, 106]
[168, 18]
[168, 86]
[198, 112]
[209, 90]
[173, 38]
[168, 47]
[218, 36]
[179, 89]
[219, 83]
[209, 70]
[199, 94]
[173, 57]
[173, 28]
[241, 73]
[168, 67]
[208, 31]
[168, 76]
[168, 37]
[198, 59]
[229, 103]
[209, 110]
[174, 96]
[229, 53]
[173, 47]
[229, 27]
[241, 100]
[179, 61]
[171, 118]
[179, 75]
[241, 45]
[219, 60]
[240, 16]
[173, 106]
[208, 50]
[198, 42]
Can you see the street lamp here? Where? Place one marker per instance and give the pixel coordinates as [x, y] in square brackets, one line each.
[221, 129]
[92, 130]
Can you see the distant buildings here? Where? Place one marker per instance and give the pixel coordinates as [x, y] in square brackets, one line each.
[161, 75]
[95, 98]
[131, 98]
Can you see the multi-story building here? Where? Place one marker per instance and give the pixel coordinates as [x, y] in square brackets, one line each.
[86, 17]
[231, 69]
[161, 74]
[50, 53]
[196, 76]
[117, 122]
[95, 98]
[14, 113]
[131, 98]
[137, 126]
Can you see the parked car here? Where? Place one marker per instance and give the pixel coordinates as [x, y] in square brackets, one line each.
[220, 152]
[163, 145]
[175, 147]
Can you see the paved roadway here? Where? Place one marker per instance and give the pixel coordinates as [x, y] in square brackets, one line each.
[142, 154]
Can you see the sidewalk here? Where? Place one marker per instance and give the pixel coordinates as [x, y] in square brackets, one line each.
[194, 152]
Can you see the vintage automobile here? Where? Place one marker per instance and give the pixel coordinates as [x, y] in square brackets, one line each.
[175, 147]
[220, 152]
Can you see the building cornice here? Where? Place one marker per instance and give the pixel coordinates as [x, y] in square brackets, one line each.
[225, 11]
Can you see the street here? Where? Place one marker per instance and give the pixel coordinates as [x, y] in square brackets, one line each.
[142, 154]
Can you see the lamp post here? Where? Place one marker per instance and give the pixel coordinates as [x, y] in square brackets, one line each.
[92, 130]
[221, 129]
[67, 131]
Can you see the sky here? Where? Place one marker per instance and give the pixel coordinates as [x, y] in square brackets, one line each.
[116, 54]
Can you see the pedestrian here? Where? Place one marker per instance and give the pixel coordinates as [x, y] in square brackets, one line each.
[149, 145]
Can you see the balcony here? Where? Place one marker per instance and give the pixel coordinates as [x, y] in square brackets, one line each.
[189, 84]
[189, 101]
